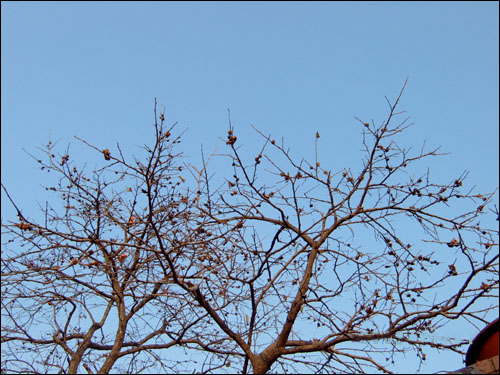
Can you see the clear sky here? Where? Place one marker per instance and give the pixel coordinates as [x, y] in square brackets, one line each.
[93, 69]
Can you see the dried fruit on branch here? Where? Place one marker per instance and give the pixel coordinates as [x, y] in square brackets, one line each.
[24, 226]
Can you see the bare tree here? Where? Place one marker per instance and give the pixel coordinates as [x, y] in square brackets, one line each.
[89, 287]
[283, 265]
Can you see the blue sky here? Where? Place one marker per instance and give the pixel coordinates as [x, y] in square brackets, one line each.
[93, 69]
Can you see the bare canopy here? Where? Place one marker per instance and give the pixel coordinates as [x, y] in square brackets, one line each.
[274, 264]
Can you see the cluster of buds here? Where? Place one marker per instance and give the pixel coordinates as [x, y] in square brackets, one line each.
[231, 139]
[24, 226]
[285, 176]
[382, 148]
[64, 159]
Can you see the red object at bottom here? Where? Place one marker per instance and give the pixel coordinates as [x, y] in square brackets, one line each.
[485, 344]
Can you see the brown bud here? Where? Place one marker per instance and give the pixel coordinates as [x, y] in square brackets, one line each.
[107, 154]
